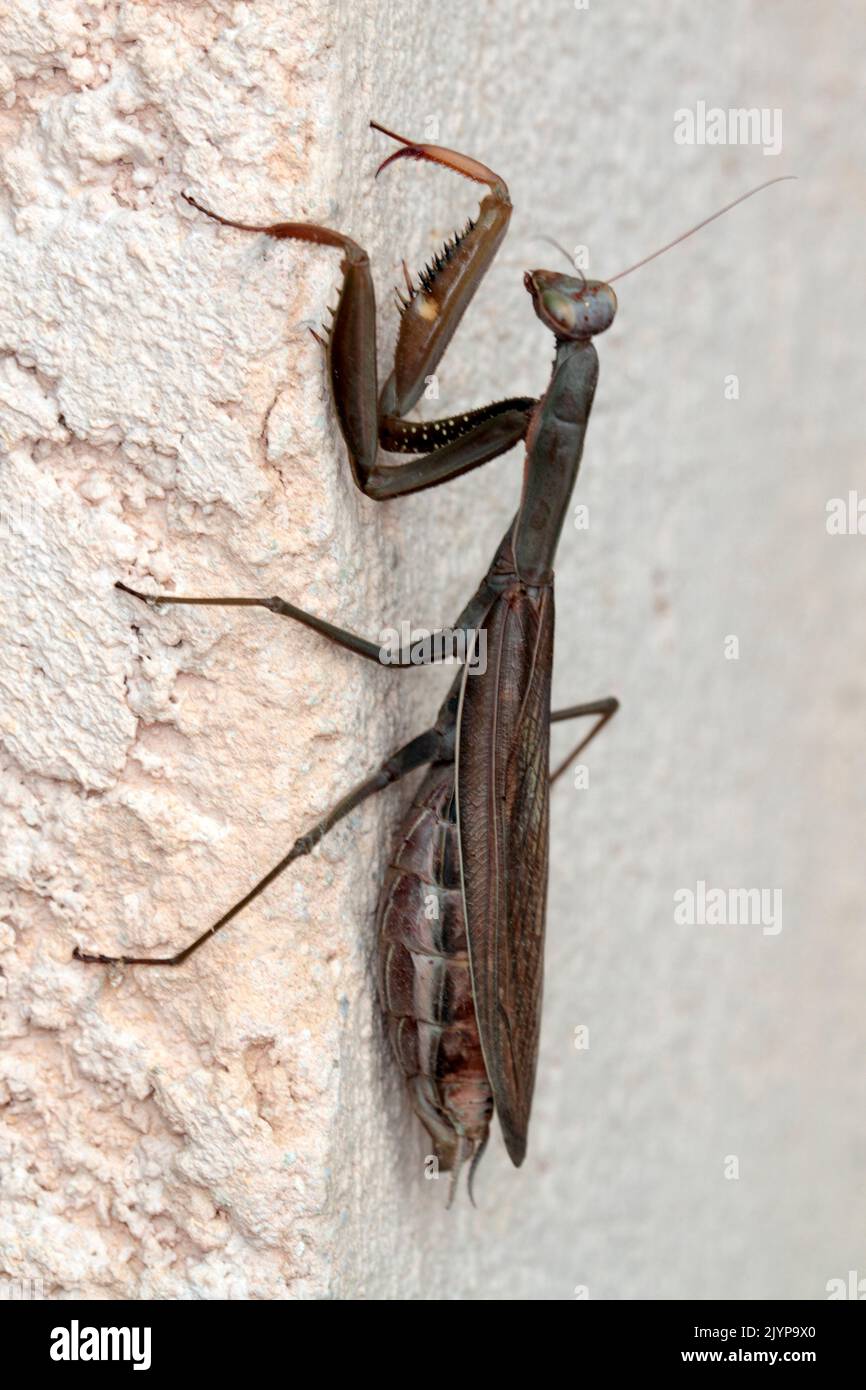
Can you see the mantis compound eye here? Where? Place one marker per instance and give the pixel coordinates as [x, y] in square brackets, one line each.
[560, 309]
[597, 307]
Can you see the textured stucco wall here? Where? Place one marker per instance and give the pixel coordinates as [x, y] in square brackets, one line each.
[236, 1129]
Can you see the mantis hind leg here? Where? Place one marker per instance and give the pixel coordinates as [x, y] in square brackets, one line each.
[417, 753]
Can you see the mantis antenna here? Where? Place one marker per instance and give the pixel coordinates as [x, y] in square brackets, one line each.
[561, 249]
[781, 178]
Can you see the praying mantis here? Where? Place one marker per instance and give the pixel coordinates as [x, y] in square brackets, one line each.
[461, 918]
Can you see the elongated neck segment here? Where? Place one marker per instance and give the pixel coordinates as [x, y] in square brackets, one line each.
[554, 446]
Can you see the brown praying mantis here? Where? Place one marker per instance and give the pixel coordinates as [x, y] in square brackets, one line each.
[461, 984]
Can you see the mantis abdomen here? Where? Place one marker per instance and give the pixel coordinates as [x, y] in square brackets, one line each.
[424, 980]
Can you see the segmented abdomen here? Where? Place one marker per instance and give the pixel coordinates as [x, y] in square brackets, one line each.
[424, 980]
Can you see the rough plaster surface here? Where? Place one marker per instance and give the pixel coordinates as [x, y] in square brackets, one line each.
[236, 1128]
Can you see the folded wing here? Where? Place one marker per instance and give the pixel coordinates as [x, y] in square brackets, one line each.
[503, 755]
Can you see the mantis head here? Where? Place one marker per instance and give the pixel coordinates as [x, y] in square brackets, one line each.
[577, 309]
[572, 309]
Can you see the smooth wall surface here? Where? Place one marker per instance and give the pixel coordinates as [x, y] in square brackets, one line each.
[236, 1128]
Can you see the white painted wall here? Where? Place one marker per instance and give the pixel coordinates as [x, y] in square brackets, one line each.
[236, 1128]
